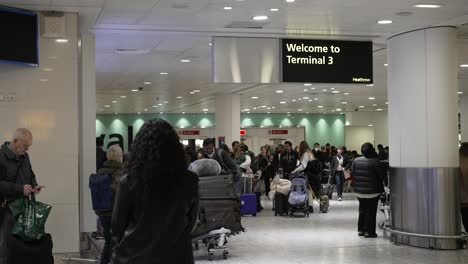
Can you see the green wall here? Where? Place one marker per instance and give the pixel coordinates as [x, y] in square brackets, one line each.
[319, 128]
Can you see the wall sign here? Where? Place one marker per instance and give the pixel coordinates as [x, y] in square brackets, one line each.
[326, 61]
[242, 132]
[278, 132]
[189, 132]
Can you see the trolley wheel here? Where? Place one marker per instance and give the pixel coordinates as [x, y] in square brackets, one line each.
[276, 214]
[225, 254]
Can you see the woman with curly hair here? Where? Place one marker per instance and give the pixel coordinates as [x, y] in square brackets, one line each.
[156, 204]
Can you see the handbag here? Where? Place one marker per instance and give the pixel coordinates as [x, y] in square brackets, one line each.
[30, 218]
[260, 186]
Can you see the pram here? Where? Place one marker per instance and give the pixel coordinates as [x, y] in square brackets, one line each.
[299, 196]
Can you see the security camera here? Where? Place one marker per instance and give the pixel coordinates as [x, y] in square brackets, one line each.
[357, 109]
[140, 88]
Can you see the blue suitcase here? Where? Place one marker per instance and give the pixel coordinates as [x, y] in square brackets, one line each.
[248, 199]
[248, 204]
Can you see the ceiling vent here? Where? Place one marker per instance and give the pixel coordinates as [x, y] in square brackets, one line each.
[247, 24]
[180, 6]
[132, 51]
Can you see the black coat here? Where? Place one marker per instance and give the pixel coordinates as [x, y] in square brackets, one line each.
[15, 172]
[334, 164]
[368, 175]
[289, 161]
[101, 157]
[161, 233]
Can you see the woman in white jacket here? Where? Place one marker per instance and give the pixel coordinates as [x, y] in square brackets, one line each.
[306, 156]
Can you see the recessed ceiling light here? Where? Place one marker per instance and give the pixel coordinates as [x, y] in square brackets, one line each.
[205, 110]
[371, 125]
[384, 22]
[160, 104]
[310, 100]
[374, 105]
[300, 110]
[338, 109]
[263, 106]
[386, 103]
[459, 92]
[192, 92]
[228, 8]
[116, 113]
[134, 90]
[254, 97]
[313, 88]
[305, 98]
[269, 108]
[294, 100]
[147, 83]
[371, 98]
[179, 97]
[166, 102]
[61, 40]
[279, 91]
[386, 64]
[344, 102]
[269, 112]
[155, 106]
[139, 113]
[260, 18]
[145, 110]
[335, 92]
[107, 106]
[161, 113]
[320, 106]
[324, 90]
[282, 102]
[464, 66]
[185, 60]
[123, 96]
[273, 107]
[333, 88]
[246, 110]
[379, 109]
[427, 6]
[290, 1]
[305, 90]
[315, 99]
[300, 99]
[114, 102]
[307, 84]
[274, 9]
[183, 113]
[163, 73]
[346, 93]
[196, 91]
[361, 106]
[370, 85]
[211, 44]
[255, 108]
[47, 69]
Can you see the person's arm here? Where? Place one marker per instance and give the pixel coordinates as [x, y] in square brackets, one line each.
[228, 162]
[303, 164]
[246, 163]
[9, 189]
[121, 212]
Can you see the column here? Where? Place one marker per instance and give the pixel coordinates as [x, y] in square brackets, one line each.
[463, 107]
[423, 135]
[87, 133]
[227, 118]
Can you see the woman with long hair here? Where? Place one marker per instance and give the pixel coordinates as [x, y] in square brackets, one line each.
[156, 204]
[464, 183]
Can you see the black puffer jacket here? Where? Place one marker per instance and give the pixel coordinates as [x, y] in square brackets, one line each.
[367, 173]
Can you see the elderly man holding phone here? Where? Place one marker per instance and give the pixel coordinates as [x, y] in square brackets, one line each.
[17, 180]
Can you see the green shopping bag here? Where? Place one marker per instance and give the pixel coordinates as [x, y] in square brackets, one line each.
[30, 218]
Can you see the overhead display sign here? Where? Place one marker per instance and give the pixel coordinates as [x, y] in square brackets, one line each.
[278, 132]
[326, 61]
[189, 132]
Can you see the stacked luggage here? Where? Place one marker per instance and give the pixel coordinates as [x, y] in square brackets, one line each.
[219, 208]
[299, 196]
[327, 191]
[279, 194]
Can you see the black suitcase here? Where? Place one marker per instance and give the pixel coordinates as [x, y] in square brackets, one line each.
[281, 204]
[217, 186]
[24, 252]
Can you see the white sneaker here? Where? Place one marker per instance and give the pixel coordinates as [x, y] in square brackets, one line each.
[339, 199]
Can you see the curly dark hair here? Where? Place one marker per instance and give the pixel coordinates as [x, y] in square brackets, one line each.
[157, 162]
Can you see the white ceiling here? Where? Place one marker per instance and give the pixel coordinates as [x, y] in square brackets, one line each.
[176, 29]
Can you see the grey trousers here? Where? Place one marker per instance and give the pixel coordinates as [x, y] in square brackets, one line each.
[7, 222]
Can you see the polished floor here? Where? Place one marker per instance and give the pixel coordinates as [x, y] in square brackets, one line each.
[322, 238]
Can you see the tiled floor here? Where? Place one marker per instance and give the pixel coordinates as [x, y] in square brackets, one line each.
[322, 238]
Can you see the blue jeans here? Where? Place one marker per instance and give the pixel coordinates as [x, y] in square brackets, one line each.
[106, 226]
[339, 180]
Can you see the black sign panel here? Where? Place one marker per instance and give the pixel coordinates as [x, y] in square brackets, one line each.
[326, 61]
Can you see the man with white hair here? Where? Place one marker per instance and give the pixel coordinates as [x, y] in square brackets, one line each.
[17, 180]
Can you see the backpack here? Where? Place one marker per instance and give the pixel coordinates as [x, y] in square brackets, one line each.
[101, 192]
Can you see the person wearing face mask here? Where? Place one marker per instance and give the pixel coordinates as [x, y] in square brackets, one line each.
[339, 163]
[317, 152]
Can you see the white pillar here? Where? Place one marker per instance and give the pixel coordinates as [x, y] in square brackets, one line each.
[227, 117]
[463, 101]
[87, 133]
[423, 124]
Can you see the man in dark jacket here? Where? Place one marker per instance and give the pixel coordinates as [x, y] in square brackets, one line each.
[17, 180]
[368, 186]
[100, 154]
[221, 156]
[338, 165]
[290, 158]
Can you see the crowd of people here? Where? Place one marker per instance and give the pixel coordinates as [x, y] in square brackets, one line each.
[156, 196]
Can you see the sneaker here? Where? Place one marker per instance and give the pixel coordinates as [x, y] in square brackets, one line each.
[360, 233]
[339, 199]
[367, 235]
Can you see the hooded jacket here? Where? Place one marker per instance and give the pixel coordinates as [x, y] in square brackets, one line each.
[367, 173]
[15, 172]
